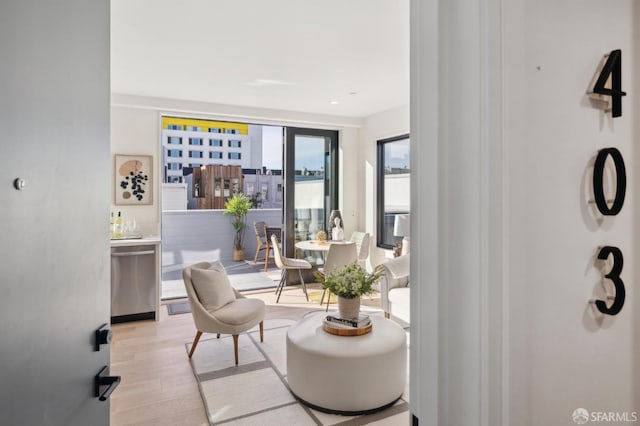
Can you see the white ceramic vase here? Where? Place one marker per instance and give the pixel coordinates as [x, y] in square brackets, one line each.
[349, 307]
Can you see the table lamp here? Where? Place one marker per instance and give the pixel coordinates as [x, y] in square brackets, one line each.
[402, 228]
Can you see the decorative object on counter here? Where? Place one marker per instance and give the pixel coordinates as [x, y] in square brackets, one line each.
[350, 283]
[337, 233]
[321, 236]
[238, 206]
[133, 179]
[116, 226]
[332, 223]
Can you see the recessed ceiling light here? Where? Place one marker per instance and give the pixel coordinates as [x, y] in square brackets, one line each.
[334, 102]
[353, 93]
[261, 82]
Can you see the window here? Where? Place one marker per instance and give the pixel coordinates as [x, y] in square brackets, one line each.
[215, 142]
[174, 140]
[174, 127]
[393, 187]
[235, 144]
[195, 165]
[193, 128]
[195, 154]
[195, 141]
[232, 131]
[174, 153]
[215, 154]
[234, 156]
[214, 130]
[174, 166]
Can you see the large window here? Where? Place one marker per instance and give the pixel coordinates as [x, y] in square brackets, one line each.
[393, 187]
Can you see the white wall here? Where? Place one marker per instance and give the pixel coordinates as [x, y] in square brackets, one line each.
[379, 126]
[137, 132]
[502, 332]
[553, 139]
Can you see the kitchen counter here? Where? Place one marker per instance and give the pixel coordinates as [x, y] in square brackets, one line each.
[136, 241]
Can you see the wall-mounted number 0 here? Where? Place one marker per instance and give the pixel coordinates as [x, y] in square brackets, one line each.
[614, 276]
[598, 177]
[613, 68]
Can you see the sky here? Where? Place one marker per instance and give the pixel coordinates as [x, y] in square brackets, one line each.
[309, 150]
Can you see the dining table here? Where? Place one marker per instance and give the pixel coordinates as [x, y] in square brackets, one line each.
[321, 246]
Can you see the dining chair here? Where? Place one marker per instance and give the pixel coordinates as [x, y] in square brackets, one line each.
[362, 246]
[261, 239]
[338, 256]
[286, 264]
[217, 307]
[269, 231]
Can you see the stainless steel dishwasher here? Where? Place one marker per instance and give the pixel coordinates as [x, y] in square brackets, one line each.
[133, 283]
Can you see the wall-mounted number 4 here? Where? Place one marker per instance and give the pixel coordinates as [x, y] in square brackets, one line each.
[612, 68]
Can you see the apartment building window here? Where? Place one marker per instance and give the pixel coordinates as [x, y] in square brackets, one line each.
[174, 153]
[232, 131]
[195, 165]
[216, 155]
[233, 143]
[174, 140]
[214, 130]
[215, 142]
[193, 128]
[234, 156]
[174, 127]
[195, 154]
[174, 166]
[195, 141]
[393, 180]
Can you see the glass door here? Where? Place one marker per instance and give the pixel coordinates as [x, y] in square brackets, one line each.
[311, 185]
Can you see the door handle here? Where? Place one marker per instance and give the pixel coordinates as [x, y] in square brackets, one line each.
[104, 385]
[102, 336]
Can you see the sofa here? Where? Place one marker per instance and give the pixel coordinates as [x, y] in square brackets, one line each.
[394, 287]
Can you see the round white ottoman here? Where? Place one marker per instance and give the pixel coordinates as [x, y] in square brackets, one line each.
[346, 374]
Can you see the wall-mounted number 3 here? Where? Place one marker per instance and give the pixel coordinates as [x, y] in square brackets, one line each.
[614, 276]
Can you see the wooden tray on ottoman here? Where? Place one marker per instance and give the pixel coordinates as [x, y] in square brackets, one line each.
[344, 330]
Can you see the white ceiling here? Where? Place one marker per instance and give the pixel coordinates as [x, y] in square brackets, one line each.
[297, 55]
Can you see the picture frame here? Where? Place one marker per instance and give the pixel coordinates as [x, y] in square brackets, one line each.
[133, 180]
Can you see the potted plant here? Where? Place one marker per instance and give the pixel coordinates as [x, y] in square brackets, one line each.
[349, 284]
[238, 206]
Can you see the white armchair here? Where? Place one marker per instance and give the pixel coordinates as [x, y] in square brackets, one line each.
[217, 307]
[395, 294]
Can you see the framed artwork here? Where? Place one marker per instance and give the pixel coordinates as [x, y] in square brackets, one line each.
[133, 179]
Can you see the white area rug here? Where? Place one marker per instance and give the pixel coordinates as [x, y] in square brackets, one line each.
[256, 391]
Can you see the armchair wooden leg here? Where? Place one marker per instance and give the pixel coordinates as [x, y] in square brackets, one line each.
[235, 347]
[195, 343]
[386, 315]
[261, 331]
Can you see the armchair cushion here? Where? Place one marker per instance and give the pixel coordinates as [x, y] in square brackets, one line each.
[212, 287]
[240, 312]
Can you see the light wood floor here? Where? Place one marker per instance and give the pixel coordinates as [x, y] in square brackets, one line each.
[158, 386]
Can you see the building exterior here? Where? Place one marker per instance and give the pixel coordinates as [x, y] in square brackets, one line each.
[193, 143]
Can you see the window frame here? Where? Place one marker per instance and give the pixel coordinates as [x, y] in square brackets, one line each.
[380, 184]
